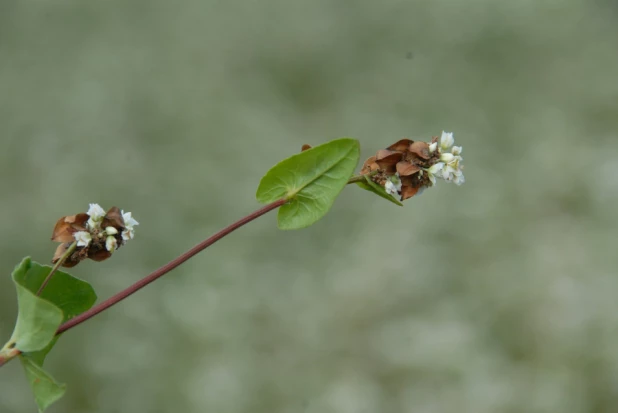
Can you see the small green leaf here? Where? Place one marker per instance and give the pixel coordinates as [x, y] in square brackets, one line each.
[37, 319]
[310, 180]
[72, 295]
[371, 186]
[46, 390]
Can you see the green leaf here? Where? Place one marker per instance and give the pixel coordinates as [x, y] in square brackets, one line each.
[46, 390]
[371, 186]
[72, 295]
[310, 181]
[37, 319]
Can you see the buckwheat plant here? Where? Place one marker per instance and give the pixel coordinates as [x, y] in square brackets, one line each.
[303, 187]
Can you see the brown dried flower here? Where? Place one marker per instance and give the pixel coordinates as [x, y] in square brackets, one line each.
[407, 167]
[97, 234]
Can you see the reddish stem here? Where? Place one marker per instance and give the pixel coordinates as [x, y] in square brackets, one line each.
[166, 268]
[157, 273]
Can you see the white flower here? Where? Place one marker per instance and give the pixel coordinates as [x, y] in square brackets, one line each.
[111, 231]
[432, 149]
[111, 243]
[390, 188]
[459, 179]
[95, 212]
[448, 172]
[129, 221]
[433, 171]
[393, 185]
[449, 168]
[446, 140]
[83, 238]
[127, 234]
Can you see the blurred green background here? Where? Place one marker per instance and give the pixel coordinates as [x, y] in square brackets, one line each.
[496, 296]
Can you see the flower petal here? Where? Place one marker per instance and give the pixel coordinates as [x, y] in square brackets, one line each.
[83, 238]
[435, 168]
[95, 212]
[129, 221]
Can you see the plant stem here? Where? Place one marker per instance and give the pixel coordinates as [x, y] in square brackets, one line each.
[62, 259]
[166, 268]
[6, 356]
[356, 178]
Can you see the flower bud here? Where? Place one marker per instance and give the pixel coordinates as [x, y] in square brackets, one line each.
[447, 157]
[446, 140]
[111, 243]
[111, 231]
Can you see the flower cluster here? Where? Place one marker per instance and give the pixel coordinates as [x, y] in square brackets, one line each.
[407, 167]
[97, 234]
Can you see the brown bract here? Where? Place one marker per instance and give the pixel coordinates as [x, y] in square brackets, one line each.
[113, 218]
[369, 166]
[69, 225]
[407, 158]
[96, 250]
[387, 159]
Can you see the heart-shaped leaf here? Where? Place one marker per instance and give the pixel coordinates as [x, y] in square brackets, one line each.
[38, 319]
[310, 181]
[72, 295]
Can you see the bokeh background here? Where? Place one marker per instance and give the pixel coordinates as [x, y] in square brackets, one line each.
[497, 296]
